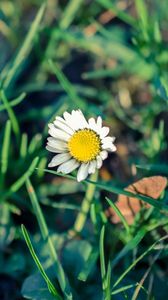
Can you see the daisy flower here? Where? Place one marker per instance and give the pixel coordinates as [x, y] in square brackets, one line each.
[78, 144]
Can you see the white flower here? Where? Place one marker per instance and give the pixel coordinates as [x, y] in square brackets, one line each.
[78, 144]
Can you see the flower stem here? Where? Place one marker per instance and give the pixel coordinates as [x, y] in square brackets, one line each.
[82, 216]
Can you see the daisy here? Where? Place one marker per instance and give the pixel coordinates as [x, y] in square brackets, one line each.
[78, 144]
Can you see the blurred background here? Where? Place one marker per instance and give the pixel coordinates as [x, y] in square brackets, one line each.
[107, 58]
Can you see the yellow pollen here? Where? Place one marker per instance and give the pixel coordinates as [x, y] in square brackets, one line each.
[84, 145]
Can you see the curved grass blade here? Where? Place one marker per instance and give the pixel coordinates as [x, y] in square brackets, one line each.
[19, 183]
[117, 190]
[50, 285]
[14, 102]
[45, 234]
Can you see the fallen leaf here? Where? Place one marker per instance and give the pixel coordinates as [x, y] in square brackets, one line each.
[149, 186]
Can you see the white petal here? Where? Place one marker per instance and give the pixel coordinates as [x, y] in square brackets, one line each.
[99, 162]
[57, 144]
[59, 159]
[70, 120]
[113, 148]
[99, 122]
[104, 131]
[92, 124]
[103, 154]
[80, 119]
[108, 139]
[54, 150]
[82, 172]
[68, 166]
[57, 133]
[109, 147]
[92, 167]
[63, 126]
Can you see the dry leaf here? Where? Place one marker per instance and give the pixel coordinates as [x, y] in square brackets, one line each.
[129, 207]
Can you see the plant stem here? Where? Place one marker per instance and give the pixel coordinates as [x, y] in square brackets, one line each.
[85, 207]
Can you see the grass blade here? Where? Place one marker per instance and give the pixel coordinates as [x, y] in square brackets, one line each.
[45, 234]
[102, 258]
[67, 86]
[11, 114]
[132, 244]
[70, 13]
[124, 288]
[23, 145]
[137, 260]
[120, 215]
[108, 281]
[19, 183]
[51, 287]
[5, 148]
[116, 190]
[14, 102]
[119, 13]
[89, 264]
[143, 15]
[26, 47]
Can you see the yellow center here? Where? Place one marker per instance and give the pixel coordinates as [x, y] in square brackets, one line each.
[84, 145]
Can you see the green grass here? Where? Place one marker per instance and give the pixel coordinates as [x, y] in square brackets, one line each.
[106, 58]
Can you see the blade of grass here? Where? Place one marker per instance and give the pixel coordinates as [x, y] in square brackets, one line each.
[67, 86]
[89, 264]
[137, 260]
[108, 281]
[50, 285]
[132, 244]
[61, 205]
[124, 288]
[120, 215]
[45, 234]
[102, 258]
[26, 47]
[35, 143]
[19, 183]
[157, 32]
[5, 151]
[23, 145]
[14, 102]
[140, 285]
[70, 12]
[118, 12]
[160, 168]
[42, 165]
[143, 16]
[11, 114]
[116, 190]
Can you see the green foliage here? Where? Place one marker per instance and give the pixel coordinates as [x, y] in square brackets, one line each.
[106, 58]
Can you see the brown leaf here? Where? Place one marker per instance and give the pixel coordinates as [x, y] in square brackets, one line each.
[149, 186]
